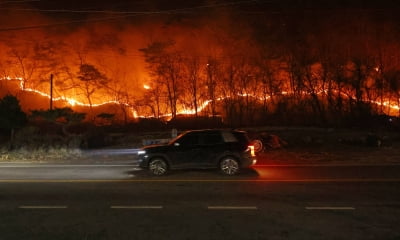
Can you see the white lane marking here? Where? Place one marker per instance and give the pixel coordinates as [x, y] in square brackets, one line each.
[42, 207]
[136, 207]
[232, 208]
[330, 208]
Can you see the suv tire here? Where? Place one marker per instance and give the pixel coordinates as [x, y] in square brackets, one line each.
[229, 166]
[158, 166]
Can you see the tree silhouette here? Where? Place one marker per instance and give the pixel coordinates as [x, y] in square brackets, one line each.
[92, 79]
[165, 67]
[11, 115]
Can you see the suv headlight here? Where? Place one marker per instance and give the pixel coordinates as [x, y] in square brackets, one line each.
[141, 152]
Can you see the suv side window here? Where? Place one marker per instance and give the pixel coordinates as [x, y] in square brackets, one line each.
[212, 138]
[190, 139]
[229, 137]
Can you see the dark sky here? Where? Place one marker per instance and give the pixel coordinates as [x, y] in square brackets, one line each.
[79, 10]
[145, 5]
[127, 3]
[76, 12]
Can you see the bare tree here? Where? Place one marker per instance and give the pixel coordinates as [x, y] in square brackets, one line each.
[166, 68]
[193, 81]
[21, 63]
[91, 80]
[213, 73]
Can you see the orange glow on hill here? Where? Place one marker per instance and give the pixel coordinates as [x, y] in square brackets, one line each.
[70, 100]
[182, 110]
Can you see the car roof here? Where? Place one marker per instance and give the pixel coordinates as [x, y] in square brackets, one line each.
[214, 130]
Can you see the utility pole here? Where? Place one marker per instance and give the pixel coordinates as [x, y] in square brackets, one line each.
[51, 91]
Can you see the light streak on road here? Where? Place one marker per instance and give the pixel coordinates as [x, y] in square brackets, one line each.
[129, 172]
[136, 207]
[125, 151]
[331, 208]
[232, 208]
[42, 207]
[41, 165]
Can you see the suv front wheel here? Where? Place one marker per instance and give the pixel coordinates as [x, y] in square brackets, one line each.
[158, 166]
[229, 166]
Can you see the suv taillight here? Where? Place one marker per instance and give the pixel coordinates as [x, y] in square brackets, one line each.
[253, 153]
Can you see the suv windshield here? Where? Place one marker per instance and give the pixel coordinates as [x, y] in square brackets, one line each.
[172, 141]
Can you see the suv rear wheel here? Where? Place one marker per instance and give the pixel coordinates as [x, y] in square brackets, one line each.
[158, 166]
[229, 166]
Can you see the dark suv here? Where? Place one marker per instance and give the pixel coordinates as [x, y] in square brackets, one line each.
[227, 150]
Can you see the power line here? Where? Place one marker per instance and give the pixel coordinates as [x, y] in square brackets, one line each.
[73, 11]
[19, 1]
[137, 12]
[64, 23]
[124, 15]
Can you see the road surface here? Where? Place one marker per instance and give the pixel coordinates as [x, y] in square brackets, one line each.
[119, 201]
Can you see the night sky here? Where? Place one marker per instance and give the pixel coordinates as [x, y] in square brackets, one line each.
[256, 6]
[148, 11]
[143, 5]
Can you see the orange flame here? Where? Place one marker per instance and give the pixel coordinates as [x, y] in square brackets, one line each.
[70, 101]
[134, 114]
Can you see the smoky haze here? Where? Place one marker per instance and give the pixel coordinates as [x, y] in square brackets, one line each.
[259, 47]
[109, 41]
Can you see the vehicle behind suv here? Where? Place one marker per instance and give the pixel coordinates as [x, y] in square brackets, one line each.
[227, 150]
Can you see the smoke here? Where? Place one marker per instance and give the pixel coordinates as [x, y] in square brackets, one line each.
[37, 43]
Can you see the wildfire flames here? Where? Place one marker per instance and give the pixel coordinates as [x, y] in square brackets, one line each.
[73, 102]
[70, 100]
[186, 60]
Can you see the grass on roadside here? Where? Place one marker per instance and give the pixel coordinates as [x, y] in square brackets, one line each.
[38, 155]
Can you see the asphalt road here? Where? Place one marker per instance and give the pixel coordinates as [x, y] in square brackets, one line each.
[130, 172]
[118, 201]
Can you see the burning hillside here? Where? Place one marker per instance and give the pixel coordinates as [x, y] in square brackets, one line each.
[204, 59]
